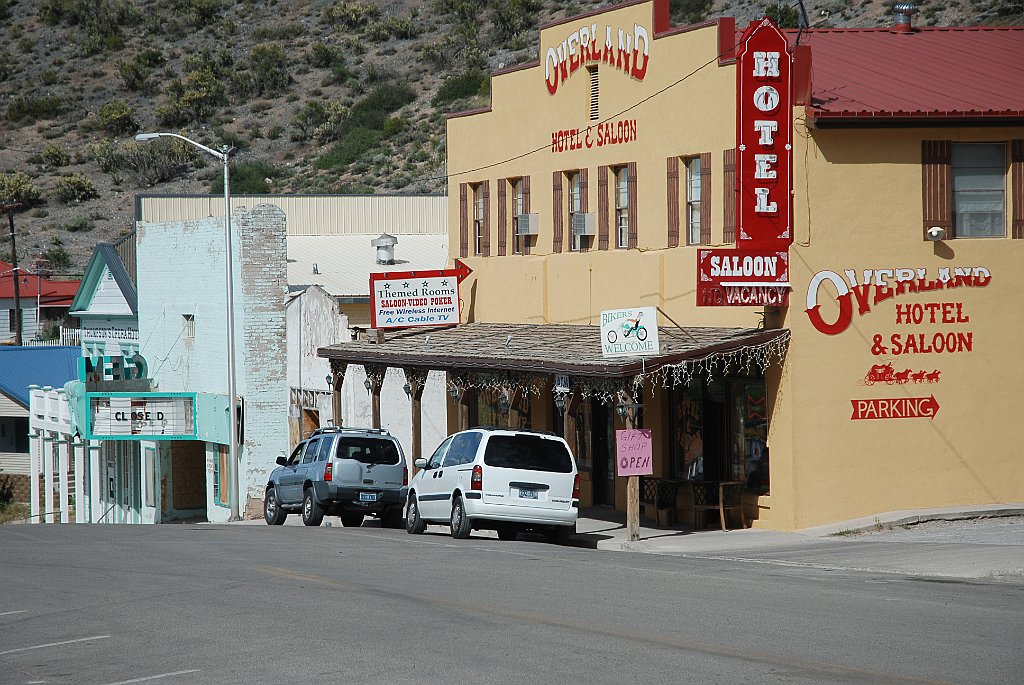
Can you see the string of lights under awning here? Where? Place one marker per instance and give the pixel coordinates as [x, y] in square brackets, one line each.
[526, 357]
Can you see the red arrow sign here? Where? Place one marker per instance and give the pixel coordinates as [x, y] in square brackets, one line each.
[403, 299]
[895, 408]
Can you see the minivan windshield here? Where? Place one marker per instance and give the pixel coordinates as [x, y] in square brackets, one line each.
[367, 450]
[528, 452]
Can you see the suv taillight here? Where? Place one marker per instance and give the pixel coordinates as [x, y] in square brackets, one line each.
[405, 475]
[477, 482]
[329, 470]
[576, 487]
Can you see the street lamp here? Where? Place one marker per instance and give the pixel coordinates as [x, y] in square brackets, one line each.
[222, 155]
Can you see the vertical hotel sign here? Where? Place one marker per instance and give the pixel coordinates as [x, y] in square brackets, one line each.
[756, 272]
[764, 139]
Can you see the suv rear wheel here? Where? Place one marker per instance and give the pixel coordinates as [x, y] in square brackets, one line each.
[312, 512]
[413, 523]
[461, 525]
[272, 511]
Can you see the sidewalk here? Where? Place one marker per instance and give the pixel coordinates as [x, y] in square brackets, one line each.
[981, 542]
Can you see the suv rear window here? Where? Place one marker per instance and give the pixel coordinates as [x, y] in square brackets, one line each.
[368, 450]
[527, 452]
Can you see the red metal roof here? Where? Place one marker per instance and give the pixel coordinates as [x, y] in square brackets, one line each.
[51, 293]
[938, 72]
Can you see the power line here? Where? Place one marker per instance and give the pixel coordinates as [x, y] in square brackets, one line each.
[603, 121]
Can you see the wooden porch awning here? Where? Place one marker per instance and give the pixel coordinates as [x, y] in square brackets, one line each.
[544, 348]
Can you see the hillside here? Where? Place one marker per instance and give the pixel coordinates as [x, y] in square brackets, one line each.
[316, 96]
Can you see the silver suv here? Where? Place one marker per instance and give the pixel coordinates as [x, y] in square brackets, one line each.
[347, 472]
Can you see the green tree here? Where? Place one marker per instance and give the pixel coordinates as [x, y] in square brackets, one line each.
[18, 187]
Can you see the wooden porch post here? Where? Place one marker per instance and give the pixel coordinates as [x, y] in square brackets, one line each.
[572, 405]
[515, 395]
[338, 370]
[375, 376]
[415, 380]
[632, 411]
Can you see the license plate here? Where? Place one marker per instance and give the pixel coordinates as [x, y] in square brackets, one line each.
[367, 496]
[527, 493]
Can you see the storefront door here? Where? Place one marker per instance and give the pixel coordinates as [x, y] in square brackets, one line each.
[603, 441]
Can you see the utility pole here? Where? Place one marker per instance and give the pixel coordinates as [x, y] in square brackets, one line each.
[9, 207]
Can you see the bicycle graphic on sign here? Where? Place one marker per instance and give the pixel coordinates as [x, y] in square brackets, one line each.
[630, 327]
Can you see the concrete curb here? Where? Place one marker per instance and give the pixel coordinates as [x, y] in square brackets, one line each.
[895, 519]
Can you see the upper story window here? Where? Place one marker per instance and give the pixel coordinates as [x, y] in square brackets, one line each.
[621, 193]
[693, 225]
[575, 206]
[518, 208]
[979, 190]
[479, 210]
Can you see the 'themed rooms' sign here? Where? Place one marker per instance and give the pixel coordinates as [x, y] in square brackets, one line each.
[764, 139]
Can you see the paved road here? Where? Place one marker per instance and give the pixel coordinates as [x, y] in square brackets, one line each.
[254, 604]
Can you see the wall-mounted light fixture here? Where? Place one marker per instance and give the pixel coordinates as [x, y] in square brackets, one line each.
[936, 233]
[367, 384]
[560, 403]
[630, 409]
[502, 404]
[408, 389]
[454, 392]
[330, 381]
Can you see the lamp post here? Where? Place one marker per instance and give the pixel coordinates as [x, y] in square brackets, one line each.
[222, 155]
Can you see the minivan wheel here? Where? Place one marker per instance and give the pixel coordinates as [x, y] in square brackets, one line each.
[461, 525]
[312, 512]
[414, 525]
[351, 520]
[272, 511]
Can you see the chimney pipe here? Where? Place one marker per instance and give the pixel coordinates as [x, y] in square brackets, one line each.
[385, 246]
[904, 11]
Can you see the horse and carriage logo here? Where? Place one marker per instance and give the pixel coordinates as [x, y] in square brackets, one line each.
[885, 373]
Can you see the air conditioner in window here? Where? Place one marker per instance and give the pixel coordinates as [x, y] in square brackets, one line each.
[526, 224]
[583, 224]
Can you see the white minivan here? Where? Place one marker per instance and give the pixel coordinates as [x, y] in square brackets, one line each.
[507, 480]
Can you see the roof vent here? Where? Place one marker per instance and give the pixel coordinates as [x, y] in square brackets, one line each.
[385, 245]
[903, 11]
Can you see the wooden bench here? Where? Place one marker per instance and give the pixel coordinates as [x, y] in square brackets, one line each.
[720, 495]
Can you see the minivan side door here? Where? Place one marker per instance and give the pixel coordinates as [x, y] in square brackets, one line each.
[428, 489]
[456, 469]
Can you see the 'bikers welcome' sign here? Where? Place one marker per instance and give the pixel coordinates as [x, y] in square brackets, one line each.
[629, 332]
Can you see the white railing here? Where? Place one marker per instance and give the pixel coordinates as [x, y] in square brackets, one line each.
[68, 336]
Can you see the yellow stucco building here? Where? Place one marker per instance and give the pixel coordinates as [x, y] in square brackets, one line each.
[601, 171]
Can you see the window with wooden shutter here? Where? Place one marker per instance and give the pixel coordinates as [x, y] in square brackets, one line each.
[694, 190]
[463, 220]
[486, 219]
[584, 207]
[937, 185]
[602, 208]
[1017, 188]
[705, 200]
[502, 217]
[556, 211]
[729, 195]
[631, 213]
[526, 210]
[672, 193]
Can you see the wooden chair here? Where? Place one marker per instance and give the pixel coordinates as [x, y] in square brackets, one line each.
[723, 496]
[660, 493]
